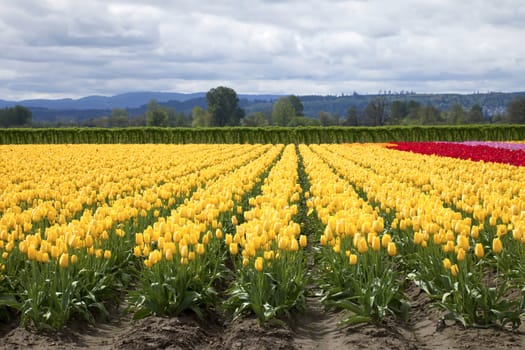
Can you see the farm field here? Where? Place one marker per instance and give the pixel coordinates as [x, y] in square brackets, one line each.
[409, 245]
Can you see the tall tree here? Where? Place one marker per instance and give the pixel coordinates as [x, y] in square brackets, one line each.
[398, 111]
[155, 114]
[327, 119]
[457, 114]
[429, 115]
[118, 118]
[223, 106]
[200, 117]
[516, 111]
[282, 111]
[413, 112]
[15, 116]
[475, 115]
[297, 105]
[178, 119]
[255, 119]
[352, 118]
[375, 111]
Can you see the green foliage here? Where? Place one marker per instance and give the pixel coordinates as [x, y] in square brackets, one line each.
[516, 111]
[303, 121]
[297, 105]
[171, 287]
[282, 112]
[15, 116]
[200, 118]
[223, 106]
[456, 115]
[352, 117]
[273, 292]
[370, 290]
[375, 111]
[306, 134]
[51, 295]
[327, 119]
[256, 119]
[156, 115]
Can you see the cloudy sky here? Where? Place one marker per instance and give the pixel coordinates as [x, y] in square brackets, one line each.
[70, 48]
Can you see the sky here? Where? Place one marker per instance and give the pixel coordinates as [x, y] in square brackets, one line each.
[70, 48]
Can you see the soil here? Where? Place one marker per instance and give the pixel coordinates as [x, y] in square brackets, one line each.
[316, 328]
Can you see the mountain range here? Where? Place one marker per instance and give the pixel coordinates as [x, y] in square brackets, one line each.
[125, 101]
[135, 103]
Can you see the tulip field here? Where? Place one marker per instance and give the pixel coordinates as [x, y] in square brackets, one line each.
[252, 229]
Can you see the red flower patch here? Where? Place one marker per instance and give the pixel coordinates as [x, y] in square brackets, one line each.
[462, 151]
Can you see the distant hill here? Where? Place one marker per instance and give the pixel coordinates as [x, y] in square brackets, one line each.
[127, 100]
[491, 103]
[136, 102]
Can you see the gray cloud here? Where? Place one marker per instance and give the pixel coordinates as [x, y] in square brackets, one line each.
[66, 48]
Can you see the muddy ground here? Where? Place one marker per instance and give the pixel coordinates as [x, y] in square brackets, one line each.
[315, 329]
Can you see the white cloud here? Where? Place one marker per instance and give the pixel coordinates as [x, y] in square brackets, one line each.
[66, 48]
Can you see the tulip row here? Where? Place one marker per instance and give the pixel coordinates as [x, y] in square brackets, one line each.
[186, 227]
[182, 257]
[85, 256]
[450, 241]
[356, 264]
[273, 276]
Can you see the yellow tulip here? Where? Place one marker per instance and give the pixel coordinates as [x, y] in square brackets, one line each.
[234, 249]
[461, 254]
[362, 246]
[200, 249]
[479, 251]
[446, 263]
[352, 259]
[259, 264]
[137, 251]
[385, 240]
[31, 252]
[303, 241]
[184, 251]
[517, 233]
[294, 245]
[418, 238]
[64, 260]
[497, 246]
[74, 259]
[168, 255]
[454, 270]
[392, 249]
[376, 244]
[462, 242]
[474, 232]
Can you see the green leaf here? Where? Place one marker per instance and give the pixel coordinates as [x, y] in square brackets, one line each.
[355, 319]
[141, 313]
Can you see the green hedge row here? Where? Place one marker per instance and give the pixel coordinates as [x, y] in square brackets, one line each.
[273, 135]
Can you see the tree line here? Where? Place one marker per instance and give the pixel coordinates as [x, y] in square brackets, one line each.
[15, 117]
[222, 109]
